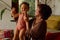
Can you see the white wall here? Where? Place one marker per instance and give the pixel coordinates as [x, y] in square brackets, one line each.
[54, 4]
[5, 23]
[57, 8]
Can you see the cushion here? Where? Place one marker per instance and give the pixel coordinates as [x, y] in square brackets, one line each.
[54, 17]
[53, 36]
[53, 22]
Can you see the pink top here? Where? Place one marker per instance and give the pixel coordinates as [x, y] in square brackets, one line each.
[21, 23]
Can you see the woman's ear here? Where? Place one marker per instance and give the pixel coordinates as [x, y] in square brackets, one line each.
[28, 8]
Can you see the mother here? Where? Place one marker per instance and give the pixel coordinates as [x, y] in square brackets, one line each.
[38, 25]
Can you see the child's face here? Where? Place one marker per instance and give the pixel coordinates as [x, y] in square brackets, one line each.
[24, 7]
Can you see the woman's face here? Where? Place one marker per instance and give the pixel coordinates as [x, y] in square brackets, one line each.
[37, 12]
[24, 7]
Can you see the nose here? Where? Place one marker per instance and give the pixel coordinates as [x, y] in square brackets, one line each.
[23, 9]
[36, 11]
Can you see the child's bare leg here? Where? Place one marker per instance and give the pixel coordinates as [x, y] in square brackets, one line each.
[22, 34]
[16, 34]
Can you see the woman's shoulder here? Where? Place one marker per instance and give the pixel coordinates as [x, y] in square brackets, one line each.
[43, 24]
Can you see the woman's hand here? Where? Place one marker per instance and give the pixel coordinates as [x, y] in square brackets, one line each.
[28, 33]
[26, 19]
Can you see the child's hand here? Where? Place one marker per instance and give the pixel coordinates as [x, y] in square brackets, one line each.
[26, 19]
[12, 14]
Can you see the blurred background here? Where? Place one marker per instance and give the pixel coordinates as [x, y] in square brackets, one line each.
[7, 22]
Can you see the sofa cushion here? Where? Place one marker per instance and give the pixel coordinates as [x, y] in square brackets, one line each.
[54, 17]
[53, 36]
[53, 23]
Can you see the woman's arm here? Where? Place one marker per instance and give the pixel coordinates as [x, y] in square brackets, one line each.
[26, 19]
[27, 25]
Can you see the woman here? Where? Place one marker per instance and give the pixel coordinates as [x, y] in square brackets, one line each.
[38, 25]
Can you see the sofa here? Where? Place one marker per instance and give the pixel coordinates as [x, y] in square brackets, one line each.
[49, 36]
[53, 22]
[53, 36]
[9, 34]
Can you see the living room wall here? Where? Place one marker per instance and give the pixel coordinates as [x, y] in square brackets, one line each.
[54, 4]
[5, 22]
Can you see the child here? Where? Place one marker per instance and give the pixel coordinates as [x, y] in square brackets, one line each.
[21, 26]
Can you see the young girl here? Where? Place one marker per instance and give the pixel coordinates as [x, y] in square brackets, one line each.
[22, 26]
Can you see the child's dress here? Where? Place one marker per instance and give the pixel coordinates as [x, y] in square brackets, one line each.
[21, 23]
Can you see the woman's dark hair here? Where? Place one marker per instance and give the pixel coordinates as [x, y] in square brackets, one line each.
[25, 4]
[45, 11]
[15, 5]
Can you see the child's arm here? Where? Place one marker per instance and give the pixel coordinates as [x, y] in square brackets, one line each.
[16, 15]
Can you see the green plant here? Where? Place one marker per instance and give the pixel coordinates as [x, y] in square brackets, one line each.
[3, 10]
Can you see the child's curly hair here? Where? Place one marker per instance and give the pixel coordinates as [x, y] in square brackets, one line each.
[25, 4]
